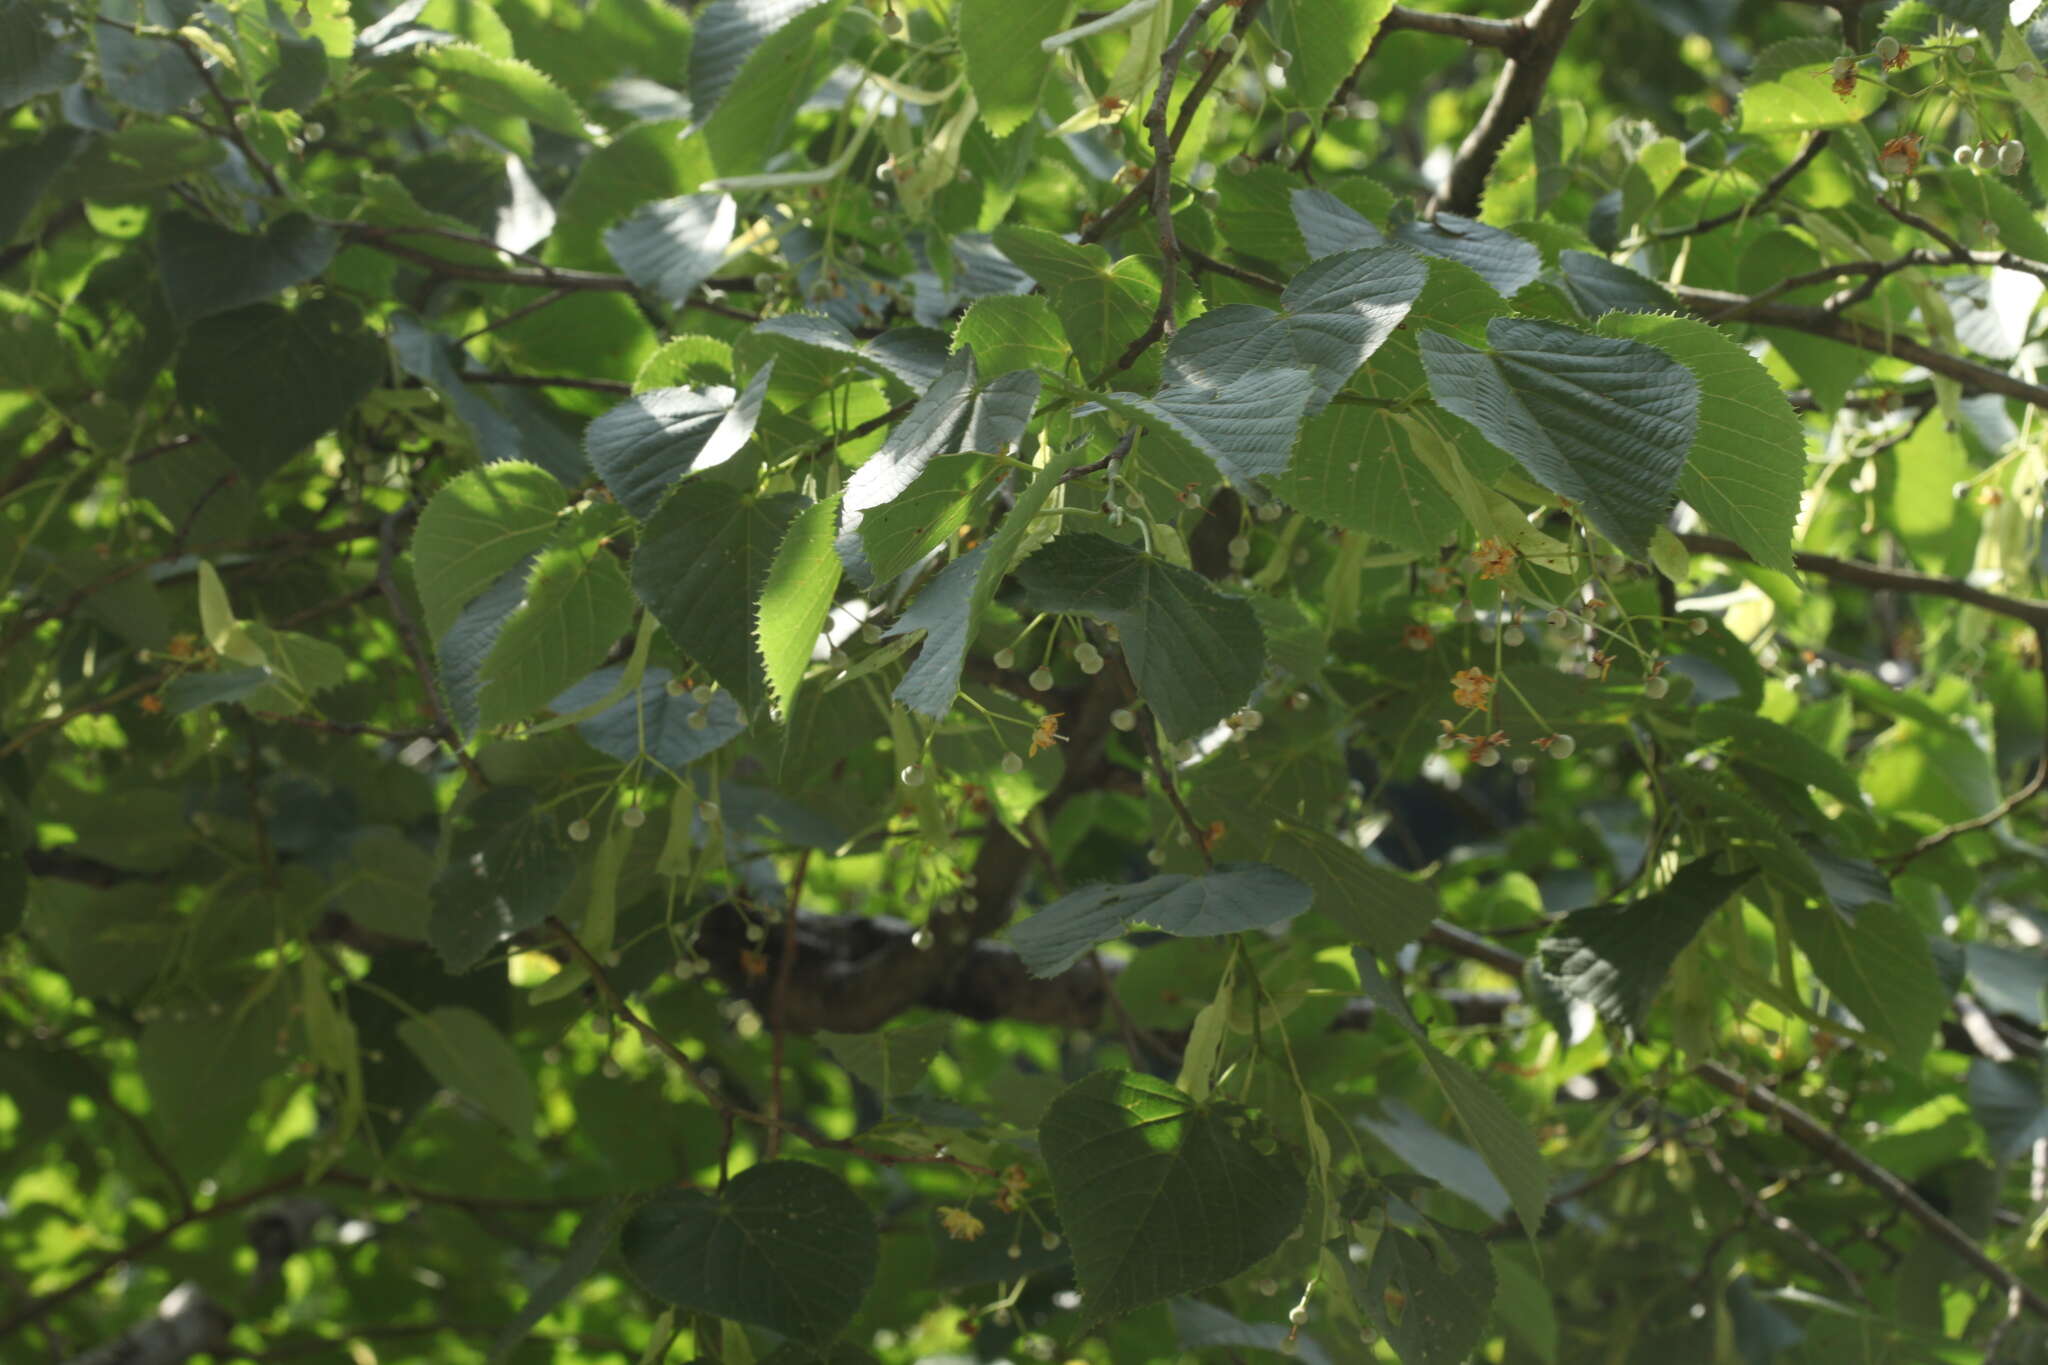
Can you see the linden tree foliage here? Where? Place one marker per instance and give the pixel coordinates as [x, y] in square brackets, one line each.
[888, 681]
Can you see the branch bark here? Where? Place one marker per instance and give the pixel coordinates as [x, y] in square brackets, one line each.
[1516, 96]
[1721, 306]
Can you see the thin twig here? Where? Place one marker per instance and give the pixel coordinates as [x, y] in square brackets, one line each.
[1764, 197]
[546, 381]
[1116, 453]
[1777, 1222]
[1112, 219]
[1164, 145]
[777, 1003]
[1809, 1132]
[2026, 792]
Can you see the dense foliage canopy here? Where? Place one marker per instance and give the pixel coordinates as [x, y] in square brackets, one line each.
[808, 680]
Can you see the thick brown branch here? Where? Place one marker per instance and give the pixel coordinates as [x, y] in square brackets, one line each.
[1509, 34]
[1872, 576]
[1515, 97]
[1722, 306]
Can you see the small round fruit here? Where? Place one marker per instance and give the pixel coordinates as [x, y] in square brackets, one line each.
[2012, 154]
[1051, 1241]
[1240, 547]
[1088, 658]
[1041, 678]
[1514, 635]
[1298, 1315]
[700, 719]
[1239, 165]
[1123, 718]
[1887, 50]
[707, 811]
[1655, 688]
[922, 940]
[1558, 618]
[1487, 758]
[912, 774]
[1013, 763]
[632, 817]
[1563, 746]
[892, 23]
[579, 830]
[1965, 155]
[1699, 625]
[1006, 658]
[1283, 59]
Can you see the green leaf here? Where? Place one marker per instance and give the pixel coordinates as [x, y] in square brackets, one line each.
[1599, 420]
[1203, 1327]
[796, 598]
[504, 86]
[33, 60]
[207, 269]
[1327, 40]
[579, 1262]
[703, 557]
[1011, 332]
[724, 35]
[950, 492]
[271, 381]
[205, 1063]
[478, 526]
[1229, 898]
[671, 246]
[1599, 286]
[1502, 259]
[1747, 466]
[511, 429]
[576, 606]
[1356, 467]
[1239, 379]
[1372, 904]
[752, 118]
[1195, 652]
[1443, 1282]
[26, 170]
[1616, 957]
[957, 413]
[1791, 89]
[1102, 306]
[1875, 960]
[950, 607]
[1006, 67]
[466, 1054]
[506, 874]
[2010, 1102]
[1159, 1195]
[651, 721]
[643, 447]
[1503, 1139]
[785, 1246]
[890, 1061]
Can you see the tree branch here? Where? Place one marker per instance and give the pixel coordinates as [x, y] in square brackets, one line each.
[1515, 97]
[1507, 34]
[1822, 1141]
[2025, 609]
[1721, 306]
[1141, 193]
[1771, 190]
